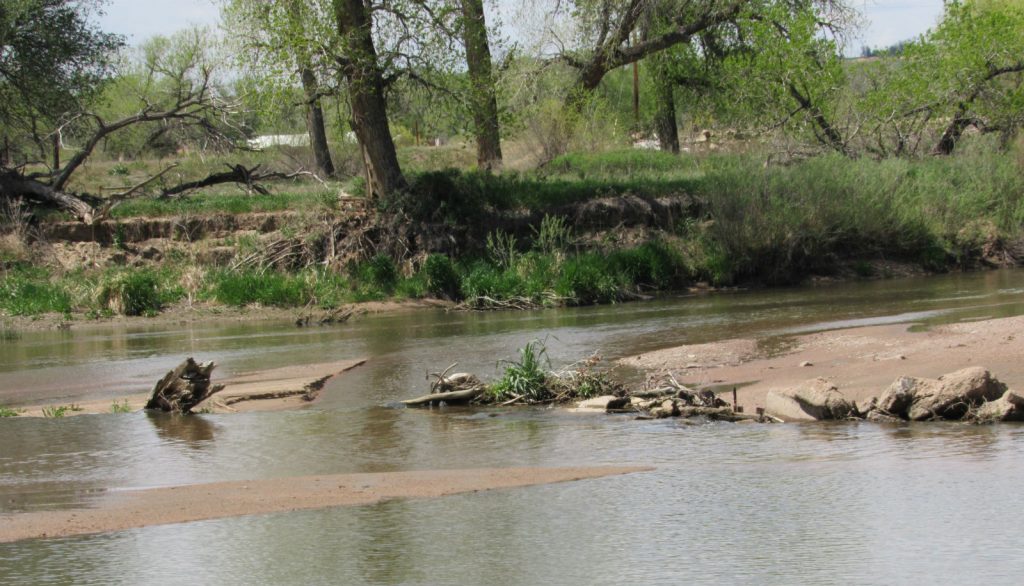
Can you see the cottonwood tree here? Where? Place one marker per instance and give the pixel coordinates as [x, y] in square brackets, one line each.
[288, 43]
[52, 59]
[967, 72]
[483, 96]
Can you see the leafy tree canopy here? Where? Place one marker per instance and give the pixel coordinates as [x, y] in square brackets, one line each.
[51, 57]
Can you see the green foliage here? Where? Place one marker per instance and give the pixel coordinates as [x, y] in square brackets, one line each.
[553, 235]
[120, 407]
[247, 287]
[442, 280]
[525, 378]
[8, 412]
[502, 249]
[379, 273]
[53, 57]
[617, 163]
[587, 279]
[131, 293]
[206, 204]
[30, 292]
[58, 412]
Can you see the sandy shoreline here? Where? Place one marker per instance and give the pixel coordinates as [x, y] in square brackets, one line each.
[122, 510]
[861, 362]
[212, 314]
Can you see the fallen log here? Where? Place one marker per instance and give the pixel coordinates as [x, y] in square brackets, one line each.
[181, 389]
[450, 397]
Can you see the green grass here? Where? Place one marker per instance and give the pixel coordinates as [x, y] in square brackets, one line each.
[59, 411]
[30, 291]
[207, 204]
[8, 412]
[120, 407]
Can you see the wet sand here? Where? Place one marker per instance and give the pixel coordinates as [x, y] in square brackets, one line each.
[861, 362]
[129, 509]
[278, 389]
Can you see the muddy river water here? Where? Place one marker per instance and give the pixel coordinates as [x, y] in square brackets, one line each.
[765, 504]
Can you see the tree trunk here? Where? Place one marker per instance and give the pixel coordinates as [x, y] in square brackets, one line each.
[665, 115]
[183, 388]
[315, 124]
[952, 134]
[366, 96]
[13, 185]
[483, 100]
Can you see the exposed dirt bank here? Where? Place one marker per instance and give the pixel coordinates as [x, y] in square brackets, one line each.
[117, 511]
[861, 362]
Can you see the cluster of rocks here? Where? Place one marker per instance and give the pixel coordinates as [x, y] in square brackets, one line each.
[673, 402]
[971, 394]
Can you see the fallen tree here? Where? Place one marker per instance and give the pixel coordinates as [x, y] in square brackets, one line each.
[180, 98]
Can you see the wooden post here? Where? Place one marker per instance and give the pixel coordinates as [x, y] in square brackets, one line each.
[735, 401]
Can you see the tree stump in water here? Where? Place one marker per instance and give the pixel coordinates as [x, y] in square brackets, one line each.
[180, 390]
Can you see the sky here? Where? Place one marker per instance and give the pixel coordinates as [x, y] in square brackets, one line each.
[888, 21]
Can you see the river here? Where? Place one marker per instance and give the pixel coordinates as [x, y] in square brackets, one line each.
[767, 504]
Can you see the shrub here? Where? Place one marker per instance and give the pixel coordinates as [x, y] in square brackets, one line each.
[241, 288]
[131, 293]
[380, 272]
[442, 280]
[585, 280]
[525, 378]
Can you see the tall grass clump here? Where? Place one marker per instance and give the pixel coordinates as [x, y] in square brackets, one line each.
[525, 378]
[240, 288]
[779, 224]
[132, 293]
[29, 291]
[441, 276]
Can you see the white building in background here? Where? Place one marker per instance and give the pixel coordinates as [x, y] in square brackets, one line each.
[293, 140]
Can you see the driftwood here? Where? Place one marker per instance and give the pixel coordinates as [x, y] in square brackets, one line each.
[181, 389]
[457, 389]
[451, 398]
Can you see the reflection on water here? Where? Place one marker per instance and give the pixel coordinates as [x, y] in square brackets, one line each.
[820, 504]
[192, 430]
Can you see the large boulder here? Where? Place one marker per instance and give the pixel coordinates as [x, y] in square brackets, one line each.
[812, 400]
[897, 399]
[1009, 407]
[953, 395]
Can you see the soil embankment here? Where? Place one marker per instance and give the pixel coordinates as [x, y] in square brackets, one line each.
[861, 362]
[118, 511]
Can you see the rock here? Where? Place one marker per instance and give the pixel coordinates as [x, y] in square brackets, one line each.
[1009, 407]
[619, 403]
[879, 416]
[671, 407]
[806, 364]
[896, 400]
[866, 406]
[597, 403]
[953, 395]
[812, 400]
[151, 253]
